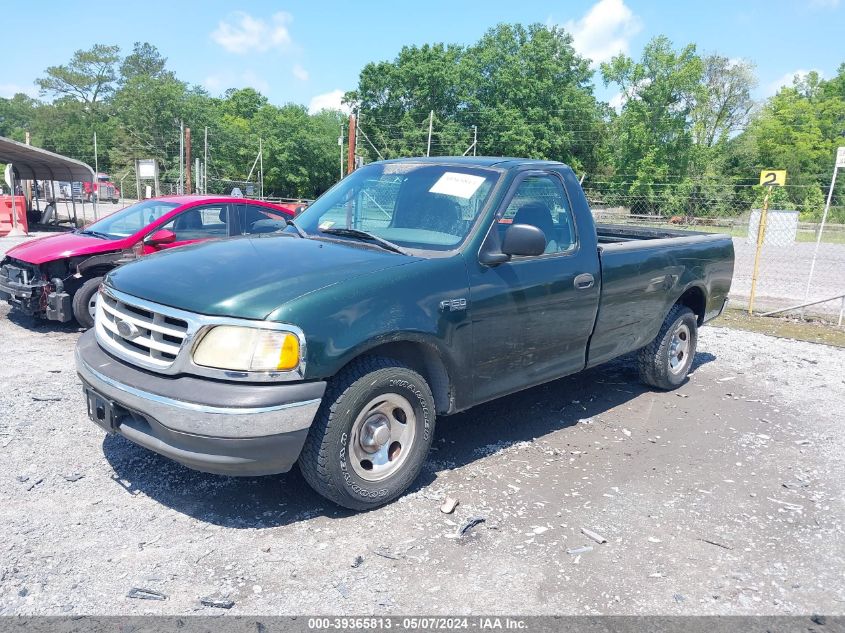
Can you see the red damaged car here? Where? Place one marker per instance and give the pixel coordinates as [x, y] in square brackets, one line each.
[56, 277]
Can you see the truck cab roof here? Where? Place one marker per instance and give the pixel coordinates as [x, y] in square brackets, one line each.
[501, 162]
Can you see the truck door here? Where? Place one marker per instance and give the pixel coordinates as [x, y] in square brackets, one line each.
[533, 316]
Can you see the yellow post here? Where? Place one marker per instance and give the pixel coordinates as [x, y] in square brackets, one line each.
[761, 235]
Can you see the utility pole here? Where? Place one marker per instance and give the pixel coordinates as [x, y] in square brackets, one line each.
[205, 164]
[188, 184]
[180, 189]
[95, 186]
[260, 169]
[138, 178]
[27, 188]
[350, 154]
[430, 126]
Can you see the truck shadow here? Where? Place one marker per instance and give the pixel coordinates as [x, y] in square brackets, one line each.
[274, 501]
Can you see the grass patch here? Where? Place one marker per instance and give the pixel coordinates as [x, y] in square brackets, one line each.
[810, 331]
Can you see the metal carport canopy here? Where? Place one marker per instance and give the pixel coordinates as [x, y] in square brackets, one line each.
[32, 163]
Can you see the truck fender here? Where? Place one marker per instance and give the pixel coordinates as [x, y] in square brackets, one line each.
[420, 351]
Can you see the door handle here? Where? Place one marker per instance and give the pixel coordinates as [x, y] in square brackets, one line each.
[584, 281]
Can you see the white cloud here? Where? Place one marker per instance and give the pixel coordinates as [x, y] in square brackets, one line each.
[606, 30]
[10, 90]
[617, 101]
[787, 80]
[242, 33]
[221, 82]
[299, 72]
[328, 101]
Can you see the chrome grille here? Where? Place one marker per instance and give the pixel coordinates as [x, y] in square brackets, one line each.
[150, 338]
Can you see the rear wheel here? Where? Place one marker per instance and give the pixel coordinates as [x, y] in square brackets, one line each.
[371, 435]
[85, 302]
[666, 361]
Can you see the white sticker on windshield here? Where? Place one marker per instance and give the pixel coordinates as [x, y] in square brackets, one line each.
[326, 224]
[459, 185]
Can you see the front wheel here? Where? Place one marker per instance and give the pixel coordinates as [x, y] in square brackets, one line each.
[666, 361]
[371, 435]
[85, 302]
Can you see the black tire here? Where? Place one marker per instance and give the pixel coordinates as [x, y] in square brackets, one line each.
[82, 300]
[655, 360]
[327, 458]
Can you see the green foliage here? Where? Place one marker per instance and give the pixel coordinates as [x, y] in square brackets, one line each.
[778, 198]
[524, 88]
[686, 140]
[813, 205]
[653, 133]
[89, 76]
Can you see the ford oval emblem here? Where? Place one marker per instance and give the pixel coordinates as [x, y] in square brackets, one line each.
[126, 329]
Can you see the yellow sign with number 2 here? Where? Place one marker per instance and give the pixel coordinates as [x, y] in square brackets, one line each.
[773, 177]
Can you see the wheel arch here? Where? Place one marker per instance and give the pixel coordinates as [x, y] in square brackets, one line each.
[695, 298]
[423, 357]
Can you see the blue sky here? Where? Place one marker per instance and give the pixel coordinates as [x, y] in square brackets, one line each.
[310, 52]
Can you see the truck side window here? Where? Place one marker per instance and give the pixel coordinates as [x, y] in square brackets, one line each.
[541, 201]
[201, 223]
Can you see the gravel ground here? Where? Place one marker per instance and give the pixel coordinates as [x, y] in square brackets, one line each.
[724, 497]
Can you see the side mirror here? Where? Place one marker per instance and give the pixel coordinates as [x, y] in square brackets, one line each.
[525, 240]
[160, 237]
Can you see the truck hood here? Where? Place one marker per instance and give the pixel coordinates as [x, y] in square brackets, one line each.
[59, 246]
[247, 277]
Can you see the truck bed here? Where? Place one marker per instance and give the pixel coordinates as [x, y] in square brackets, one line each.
[615, 233]
[643, 272]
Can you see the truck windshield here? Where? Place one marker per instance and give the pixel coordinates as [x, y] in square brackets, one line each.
[412, 205]
[130, 220]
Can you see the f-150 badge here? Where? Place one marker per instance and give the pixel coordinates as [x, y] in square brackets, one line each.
[453, 305]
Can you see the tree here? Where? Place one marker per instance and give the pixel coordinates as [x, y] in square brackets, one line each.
[16, 115]
[799, 130]
[532, 95]
[145, 60]
[653, 137]
[88, 77]
[725, 104]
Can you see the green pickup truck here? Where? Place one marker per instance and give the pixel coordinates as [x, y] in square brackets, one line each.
[413, 288]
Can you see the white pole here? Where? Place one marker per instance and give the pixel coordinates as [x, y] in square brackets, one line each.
[205, 164]
[821, 230]
[474, 140]
[340, 143]
[181, 188]
[261, 169]
[430, 125]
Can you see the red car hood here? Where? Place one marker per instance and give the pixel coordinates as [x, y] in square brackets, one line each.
[53, 247]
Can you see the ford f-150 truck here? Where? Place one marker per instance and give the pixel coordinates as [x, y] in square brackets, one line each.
[413, 288]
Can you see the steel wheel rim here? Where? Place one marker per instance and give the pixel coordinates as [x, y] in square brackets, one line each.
[92, 306]
[679, 348]
[382, 437]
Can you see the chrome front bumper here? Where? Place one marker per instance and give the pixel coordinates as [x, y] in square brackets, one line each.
[227, 428]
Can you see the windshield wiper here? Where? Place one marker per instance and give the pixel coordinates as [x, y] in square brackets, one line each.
[102, 236]
[364, 235]
[299, 231]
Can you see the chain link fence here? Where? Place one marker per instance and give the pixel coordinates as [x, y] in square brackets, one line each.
[787, 259]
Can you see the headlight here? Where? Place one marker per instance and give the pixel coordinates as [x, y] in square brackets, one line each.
[248, 349]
